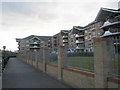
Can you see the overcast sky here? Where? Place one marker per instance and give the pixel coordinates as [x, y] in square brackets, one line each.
[19, 19]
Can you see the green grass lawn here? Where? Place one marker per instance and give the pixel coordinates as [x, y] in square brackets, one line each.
[81, 62]
[8, 54]
[88, 63]
[117, 65]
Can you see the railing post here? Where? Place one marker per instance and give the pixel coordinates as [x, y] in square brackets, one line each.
[61, 58]
[27, 56]
[45, 58]
[36, 59]
[31, 56]
[103, 61]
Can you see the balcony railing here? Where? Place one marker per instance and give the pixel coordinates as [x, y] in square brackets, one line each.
[63, 44]
[79, 41]
[65, 36]
[65, 40]
[107, 23]
[79, 47]
[34, 43]
[77, 35]
[34, 47]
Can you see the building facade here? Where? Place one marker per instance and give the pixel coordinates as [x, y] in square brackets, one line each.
[111, 28]
[92, 31]
[76, 39]
[31, 42]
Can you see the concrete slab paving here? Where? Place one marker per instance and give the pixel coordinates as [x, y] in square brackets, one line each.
[18, 74]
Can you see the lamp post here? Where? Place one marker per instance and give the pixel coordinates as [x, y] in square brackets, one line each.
[4, 47]
[3, 58]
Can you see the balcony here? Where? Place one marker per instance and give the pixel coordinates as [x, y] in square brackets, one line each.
[92, 29]
[65, 36]
[34, 43]
[35, 47]
[63, 44]
[79, 41]
[108, 33]
[65, 41]
[109, 24]
[49, 40]
[79, 47]
[77, 35]
[93, 37]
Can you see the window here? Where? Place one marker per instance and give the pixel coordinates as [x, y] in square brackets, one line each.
[22, 46]
[27, 41]
[27, 45]
[117, 37]
[22, 41]
[93, 33]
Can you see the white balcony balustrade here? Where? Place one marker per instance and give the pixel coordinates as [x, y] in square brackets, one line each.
[63, 44]
[65, 36]
[79, 41]
[77, 35]
[79, 47]
[65, 40]
[34, 43]
[34, 47]
[107, 23]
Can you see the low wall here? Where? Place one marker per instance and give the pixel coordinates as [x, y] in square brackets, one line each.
[113, 82]
[52, 70]
[40, 65]
[34, 63]
[77, 78]
[30, 62]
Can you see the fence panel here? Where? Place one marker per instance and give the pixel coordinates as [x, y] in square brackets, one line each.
[52, 56]
[40, 56]
[80, 60]
[116, 68]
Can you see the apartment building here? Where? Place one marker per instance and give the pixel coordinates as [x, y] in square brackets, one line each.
[79, 38]
[94, 30]
[112, 23]
[58, 39]
[111, 27]
[76, 39]
[63, 38]
[31, 42]
[91, 31]
[54, 42]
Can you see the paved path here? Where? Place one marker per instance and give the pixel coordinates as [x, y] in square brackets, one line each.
[18, 74]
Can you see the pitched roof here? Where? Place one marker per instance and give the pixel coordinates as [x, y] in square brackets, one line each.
[104, 13]
[78, 28]
[43, 38]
